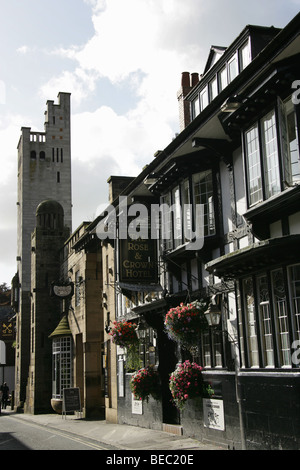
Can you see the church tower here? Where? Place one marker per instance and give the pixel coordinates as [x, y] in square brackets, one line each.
[44, 173]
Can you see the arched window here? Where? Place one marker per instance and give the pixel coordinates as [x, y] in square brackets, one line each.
[33, 154]
[42, 155]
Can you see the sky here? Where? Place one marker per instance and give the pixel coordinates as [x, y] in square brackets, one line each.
[121, 60]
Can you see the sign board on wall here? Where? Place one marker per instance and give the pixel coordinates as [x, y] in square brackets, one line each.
[213, 414]
[136, 406]
[138, 261]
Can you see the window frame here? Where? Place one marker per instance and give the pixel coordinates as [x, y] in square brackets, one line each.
[187, 221]
[261, 162]
[62, 355]
[283, 322]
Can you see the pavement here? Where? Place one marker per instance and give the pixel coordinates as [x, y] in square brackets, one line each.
[114, 436]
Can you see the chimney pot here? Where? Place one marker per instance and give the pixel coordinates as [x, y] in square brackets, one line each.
[195, 79]
[185, 79]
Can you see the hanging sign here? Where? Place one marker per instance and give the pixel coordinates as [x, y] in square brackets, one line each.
[62, 290]
[138, 261]
[7, 330]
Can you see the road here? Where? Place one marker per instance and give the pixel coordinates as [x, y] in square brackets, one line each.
[16, 434]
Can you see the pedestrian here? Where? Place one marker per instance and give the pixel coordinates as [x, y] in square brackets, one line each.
[4, 390]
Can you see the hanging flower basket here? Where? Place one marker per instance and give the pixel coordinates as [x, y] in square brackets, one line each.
[184, 323]
[186, 382]
[145, 383]
[123, 333]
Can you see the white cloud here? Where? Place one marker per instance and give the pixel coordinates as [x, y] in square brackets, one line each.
[79, 83]
[23, 49]
[9, 136]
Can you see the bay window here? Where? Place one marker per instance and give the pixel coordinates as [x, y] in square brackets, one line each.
[292, 163]
[253, 166]
[178, 211]
[271, 313]
[262, 159]
[203, 194]
[270, 154]
[272, 160]
[61, 365]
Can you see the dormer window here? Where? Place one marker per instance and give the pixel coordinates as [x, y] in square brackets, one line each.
[227, 71]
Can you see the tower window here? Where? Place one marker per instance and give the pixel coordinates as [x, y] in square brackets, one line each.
[58, 177]
[33, 154]
[42, 155]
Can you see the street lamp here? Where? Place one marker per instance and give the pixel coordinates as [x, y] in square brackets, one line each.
[213, 314]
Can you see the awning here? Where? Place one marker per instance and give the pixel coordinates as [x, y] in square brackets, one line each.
[261, 255]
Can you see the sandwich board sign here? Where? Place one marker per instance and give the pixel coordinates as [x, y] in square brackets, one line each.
[71, 400]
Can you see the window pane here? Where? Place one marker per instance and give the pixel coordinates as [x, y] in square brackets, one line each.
[203, 194]
[185, 191]
[61, 365]
[292, 136]
[206, 350]
[213, 88]
[196, 107]
[204, 98]
[241, 330]
[166, 223]
[253, 165]
[251, 322]
[217, 348]
[295, 297]
[223, 78]
[265, 320]
[270, 152]
[245, 56]
[232, 69]
[281, 319]
[77, 289]
[177, 217]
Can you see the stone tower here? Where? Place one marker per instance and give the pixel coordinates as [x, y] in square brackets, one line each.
[44, 172]
[47, 241]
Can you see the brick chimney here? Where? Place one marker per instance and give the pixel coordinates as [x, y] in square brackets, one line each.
[188, 81]
[116, 185]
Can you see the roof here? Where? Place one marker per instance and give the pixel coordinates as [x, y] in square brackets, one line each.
[49, 207]
[255, 257]
[62, 328]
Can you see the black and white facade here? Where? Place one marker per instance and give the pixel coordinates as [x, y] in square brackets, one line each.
[238, 156]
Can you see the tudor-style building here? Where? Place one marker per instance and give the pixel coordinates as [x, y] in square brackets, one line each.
[237, 156]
